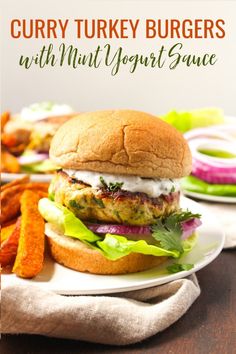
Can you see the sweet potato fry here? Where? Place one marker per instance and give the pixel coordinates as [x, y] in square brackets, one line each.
[9, 246]
[5, 116]
[30, 252]
[10, 199]
[9, 163]
[9, 140]
[7, 230]
[42, 194]
[21, 180]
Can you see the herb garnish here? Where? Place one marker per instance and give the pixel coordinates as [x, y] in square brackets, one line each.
[176, 267]
[172, 189]
[184, 215]
[103, 181]
[112, 187]
[168, 231]
[115, 186]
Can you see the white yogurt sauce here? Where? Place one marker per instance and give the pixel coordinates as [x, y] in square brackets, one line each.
[43, 110]
[152, 187]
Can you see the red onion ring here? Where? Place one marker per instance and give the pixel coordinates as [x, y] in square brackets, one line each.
[210, 168]
[188, 228]
[32, 158]
[213, 174]
[225, 132]
[120, 229]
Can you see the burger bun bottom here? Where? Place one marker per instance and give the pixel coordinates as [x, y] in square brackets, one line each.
[76, 255]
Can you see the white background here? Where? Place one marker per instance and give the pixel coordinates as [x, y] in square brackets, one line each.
[153, 90]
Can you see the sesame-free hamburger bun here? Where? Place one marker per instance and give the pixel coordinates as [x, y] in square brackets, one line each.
[121, 142]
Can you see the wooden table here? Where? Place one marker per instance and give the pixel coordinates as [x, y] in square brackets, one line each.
[209, 327]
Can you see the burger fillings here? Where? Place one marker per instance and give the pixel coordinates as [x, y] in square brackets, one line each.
[114, 207]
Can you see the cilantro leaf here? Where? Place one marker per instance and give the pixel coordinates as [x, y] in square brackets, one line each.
[112, 187]
[176, 267]
[103, 182]
[168, 233]
[184, 215]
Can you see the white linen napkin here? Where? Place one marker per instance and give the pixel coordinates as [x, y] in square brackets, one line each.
[117, 319]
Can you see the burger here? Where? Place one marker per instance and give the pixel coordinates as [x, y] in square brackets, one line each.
[28, 135]
[114, 207]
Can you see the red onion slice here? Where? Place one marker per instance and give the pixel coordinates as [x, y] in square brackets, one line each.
[210, 174]
[225, 132]
[120, 229]
[32, 158]
[189, 227]
[145, 231]
[210, 168]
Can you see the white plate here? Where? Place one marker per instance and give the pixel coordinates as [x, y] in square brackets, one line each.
[214, 198]
[8, 177]
[211, 198]
[62, 280]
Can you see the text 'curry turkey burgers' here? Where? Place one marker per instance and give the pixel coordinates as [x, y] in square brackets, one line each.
[114, 206]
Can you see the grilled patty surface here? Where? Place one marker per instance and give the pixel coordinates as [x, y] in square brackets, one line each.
[119, 207]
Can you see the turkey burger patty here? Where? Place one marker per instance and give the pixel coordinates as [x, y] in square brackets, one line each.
[102, 204]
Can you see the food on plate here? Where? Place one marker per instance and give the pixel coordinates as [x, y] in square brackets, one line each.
[6, 230]
[4, 119]
[114, 207]
[214, 161]
[30, 251]
[26, 137]
[196, 185]
[10, 197]
[28, 224]
[9, 246]
[9, 162]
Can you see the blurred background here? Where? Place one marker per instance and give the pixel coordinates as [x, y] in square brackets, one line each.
[153, 90]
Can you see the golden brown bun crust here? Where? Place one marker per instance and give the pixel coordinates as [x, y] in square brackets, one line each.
[76, 255]
[122, 142]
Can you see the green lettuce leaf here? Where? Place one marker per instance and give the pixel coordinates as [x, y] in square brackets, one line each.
[184, 121]
[189, 243]
[194, 184]
[65, 220]
[115, 247]
[112, 246]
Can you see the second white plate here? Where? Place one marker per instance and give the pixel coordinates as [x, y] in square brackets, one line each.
[8, 177]
[210, 198]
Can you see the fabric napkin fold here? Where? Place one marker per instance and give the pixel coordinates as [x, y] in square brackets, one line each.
[116, 319]
[226, 215]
